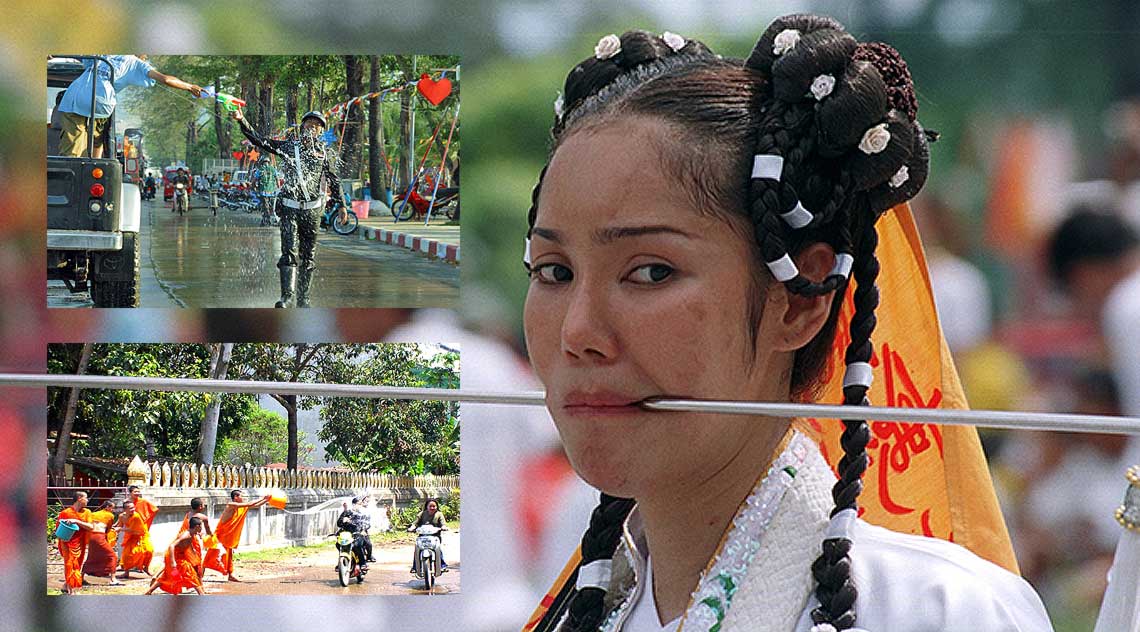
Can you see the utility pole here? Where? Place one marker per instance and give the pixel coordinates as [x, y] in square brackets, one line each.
[412, 126]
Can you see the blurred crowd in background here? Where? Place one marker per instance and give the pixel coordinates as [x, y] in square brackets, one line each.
[1030, 220]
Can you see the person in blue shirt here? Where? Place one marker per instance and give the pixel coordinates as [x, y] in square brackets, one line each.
[75, 108]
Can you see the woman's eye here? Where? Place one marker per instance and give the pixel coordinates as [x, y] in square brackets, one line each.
[552, 273]
[651, 274]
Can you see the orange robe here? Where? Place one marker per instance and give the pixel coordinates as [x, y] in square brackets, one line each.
[183, 570]
[73, 550]
[101, 559]
[147, 510]
[228, 534]
[137, 549]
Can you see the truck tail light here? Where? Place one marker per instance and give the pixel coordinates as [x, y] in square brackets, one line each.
[97, 190]
[97, 173]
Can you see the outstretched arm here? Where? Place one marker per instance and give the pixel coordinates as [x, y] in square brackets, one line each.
[268, 144]
[174, 82]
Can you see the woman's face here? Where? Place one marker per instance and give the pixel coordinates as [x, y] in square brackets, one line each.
[637, 294]
[432, 507]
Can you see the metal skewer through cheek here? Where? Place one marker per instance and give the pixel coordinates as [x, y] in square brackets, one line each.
[1062, 422]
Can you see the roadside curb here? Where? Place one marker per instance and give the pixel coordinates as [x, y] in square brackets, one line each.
[438, 249]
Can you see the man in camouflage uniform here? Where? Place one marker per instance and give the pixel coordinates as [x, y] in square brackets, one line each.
[306, 166]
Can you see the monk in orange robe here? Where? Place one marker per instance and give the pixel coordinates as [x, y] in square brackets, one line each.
[137, 549]
[75, 549]
[144, 507]
[230, 524]
[182, 567]
[101, 559]
[196, 507]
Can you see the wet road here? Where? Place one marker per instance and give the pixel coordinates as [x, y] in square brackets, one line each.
[198, 260]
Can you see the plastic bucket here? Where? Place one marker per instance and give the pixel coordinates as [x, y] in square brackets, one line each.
[65, 531]
[278, 501]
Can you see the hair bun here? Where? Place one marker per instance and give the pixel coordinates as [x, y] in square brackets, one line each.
[858, 102]
[871, 168]
[763, 54]
[826, 51]
[908, 180]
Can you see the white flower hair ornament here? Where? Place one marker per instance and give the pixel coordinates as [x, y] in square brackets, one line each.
[822, 86]
[607, 47]
[674, 41]
[785, 41]
[875, 139]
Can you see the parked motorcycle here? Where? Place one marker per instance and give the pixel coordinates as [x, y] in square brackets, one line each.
[350, 561]
[428, 555]
[446, 199]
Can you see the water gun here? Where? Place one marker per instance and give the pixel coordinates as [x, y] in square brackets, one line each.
[229, 101]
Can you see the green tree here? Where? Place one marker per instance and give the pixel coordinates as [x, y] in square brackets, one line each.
[120, 423]
[296, 363]
[261, 438]
[396, 436]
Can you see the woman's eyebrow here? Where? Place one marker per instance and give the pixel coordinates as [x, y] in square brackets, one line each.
[609, 235]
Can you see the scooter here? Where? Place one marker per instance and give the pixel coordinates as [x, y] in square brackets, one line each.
[331, 219]
[181, 198]
[428, 553]
[148, 192]
[350, 562]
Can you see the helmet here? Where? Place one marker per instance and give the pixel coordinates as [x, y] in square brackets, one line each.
[317, 115]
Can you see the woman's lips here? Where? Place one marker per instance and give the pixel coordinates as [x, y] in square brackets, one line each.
[600, 404]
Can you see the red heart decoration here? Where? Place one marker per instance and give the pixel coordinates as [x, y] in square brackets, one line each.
[434, 91]
[237, 155]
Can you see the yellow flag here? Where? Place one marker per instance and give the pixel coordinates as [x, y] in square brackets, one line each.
[923, 478]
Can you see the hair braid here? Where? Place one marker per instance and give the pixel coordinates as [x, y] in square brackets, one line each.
[832, 569]
[586, 607]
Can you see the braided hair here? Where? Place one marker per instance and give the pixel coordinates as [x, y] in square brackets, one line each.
[810, 139]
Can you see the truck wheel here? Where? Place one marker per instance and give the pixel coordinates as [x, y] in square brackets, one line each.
[120, 293]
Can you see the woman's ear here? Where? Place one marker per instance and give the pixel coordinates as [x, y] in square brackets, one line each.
[797, 319]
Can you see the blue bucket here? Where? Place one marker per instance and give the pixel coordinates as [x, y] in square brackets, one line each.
[65, 531]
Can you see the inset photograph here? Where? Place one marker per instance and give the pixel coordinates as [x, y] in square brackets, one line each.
[175, 491]
[253, 181]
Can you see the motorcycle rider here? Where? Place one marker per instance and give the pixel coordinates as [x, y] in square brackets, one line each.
[149, 186]
[306, 165]
[184, 179]
[354, 520]
[433, 516]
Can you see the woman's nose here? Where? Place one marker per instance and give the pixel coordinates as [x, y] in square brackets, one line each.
[587, 327]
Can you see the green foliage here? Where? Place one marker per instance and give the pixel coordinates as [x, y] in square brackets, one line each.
[394, 436]
[121, 423]
[406, 517]
[450, 506]
[165, 113]
[261, 438]
[53, 520]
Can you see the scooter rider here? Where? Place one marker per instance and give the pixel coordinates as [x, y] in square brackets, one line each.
[306, 167]
[430, 515]
[181, 178]
[353, 520]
